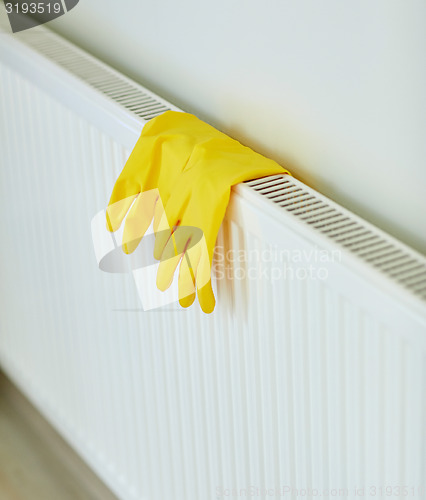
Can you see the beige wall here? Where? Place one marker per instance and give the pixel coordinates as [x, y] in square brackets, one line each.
[334, 88]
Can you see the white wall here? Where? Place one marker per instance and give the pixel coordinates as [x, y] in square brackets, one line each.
[333, 88]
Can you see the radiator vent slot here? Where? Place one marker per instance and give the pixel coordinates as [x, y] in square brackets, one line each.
[346, 230]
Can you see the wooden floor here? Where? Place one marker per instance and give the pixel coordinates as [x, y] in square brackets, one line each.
[35, 462]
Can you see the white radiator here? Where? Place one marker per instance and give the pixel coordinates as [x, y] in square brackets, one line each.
[309, 379]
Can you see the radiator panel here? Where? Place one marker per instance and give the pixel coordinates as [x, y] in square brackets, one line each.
[301, 384]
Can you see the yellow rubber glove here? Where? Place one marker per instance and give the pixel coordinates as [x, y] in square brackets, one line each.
[188, 167]
[199, 201]
[159, 156]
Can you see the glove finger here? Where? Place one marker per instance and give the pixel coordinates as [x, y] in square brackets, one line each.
[188, 266]
[161, 240]
[168, 221]
[138, 220]
[162, 229]
[206, 298]
[121, 200]
[203, 279]
[160, 219]
[170, 258]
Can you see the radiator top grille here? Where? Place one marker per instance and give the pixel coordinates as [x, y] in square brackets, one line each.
[120, 89]
[348, 231]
